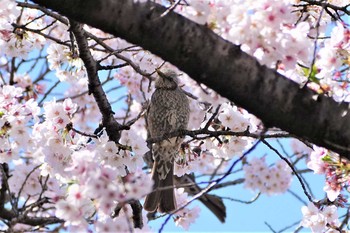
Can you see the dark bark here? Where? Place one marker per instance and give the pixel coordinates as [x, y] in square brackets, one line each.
[222, 66]
[95, 87]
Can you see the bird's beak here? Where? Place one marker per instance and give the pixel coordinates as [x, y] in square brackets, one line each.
[161, 74]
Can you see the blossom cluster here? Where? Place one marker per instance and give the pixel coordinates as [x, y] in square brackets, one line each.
[331, 60]
[336, 171]
[96, 171]
[266, 179]
[15, 116]
[265, 29]
[101, 183]
[186, 216]
[21, 42]
[320, 220]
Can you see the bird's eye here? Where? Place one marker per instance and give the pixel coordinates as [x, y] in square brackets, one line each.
[169, 78]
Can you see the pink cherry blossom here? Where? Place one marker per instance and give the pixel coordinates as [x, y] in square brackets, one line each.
[269, 180]
[319, 220]
[186, 216]
[316, 163]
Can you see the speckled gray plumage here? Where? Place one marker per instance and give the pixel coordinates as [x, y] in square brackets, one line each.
[168, 111]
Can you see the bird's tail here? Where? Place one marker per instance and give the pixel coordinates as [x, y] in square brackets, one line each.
[162, 197]
[167, 202]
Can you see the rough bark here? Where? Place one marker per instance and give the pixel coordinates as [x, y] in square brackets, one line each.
[222, 66]
[95, 86]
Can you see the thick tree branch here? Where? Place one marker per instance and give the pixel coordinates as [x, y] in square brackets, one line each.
[95, 88]
[220, 65]
[36, 221]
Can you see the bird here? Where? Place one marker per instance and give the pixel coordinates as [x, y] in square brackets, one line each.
[168, 111]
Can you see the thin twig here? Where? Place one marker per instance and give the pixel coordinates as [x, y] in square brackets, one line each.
[171, 8]
[290, 226]
[325, 4]
[296, 196]
[270, 227]
[212, 117]
[49, 92]
[244, 202]
[24, 182]
[291, 166]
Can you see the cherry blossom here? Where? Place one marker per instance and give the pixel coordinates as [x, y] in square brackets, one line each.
[319, 220]
[232, 118]
[270, 180]
[316, 163]
[328, 163]
[186, 216]
[56, 114]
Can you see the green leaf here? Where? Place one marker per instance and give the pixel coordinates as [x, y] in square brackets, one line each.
[327, 158]
[312, 76]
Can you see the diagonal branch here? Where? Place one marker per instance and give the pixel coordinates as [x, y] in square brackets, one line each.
[113, 128]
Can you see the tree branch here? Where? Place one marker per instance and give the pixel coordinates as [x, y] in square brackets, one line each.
[219, 64]
[113, 128]
[203, 133]
[95, 87]
[325, 4]
[291, 167]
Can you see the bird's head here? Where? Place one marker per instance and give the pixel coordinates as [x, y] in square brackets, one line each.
[167, 80]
